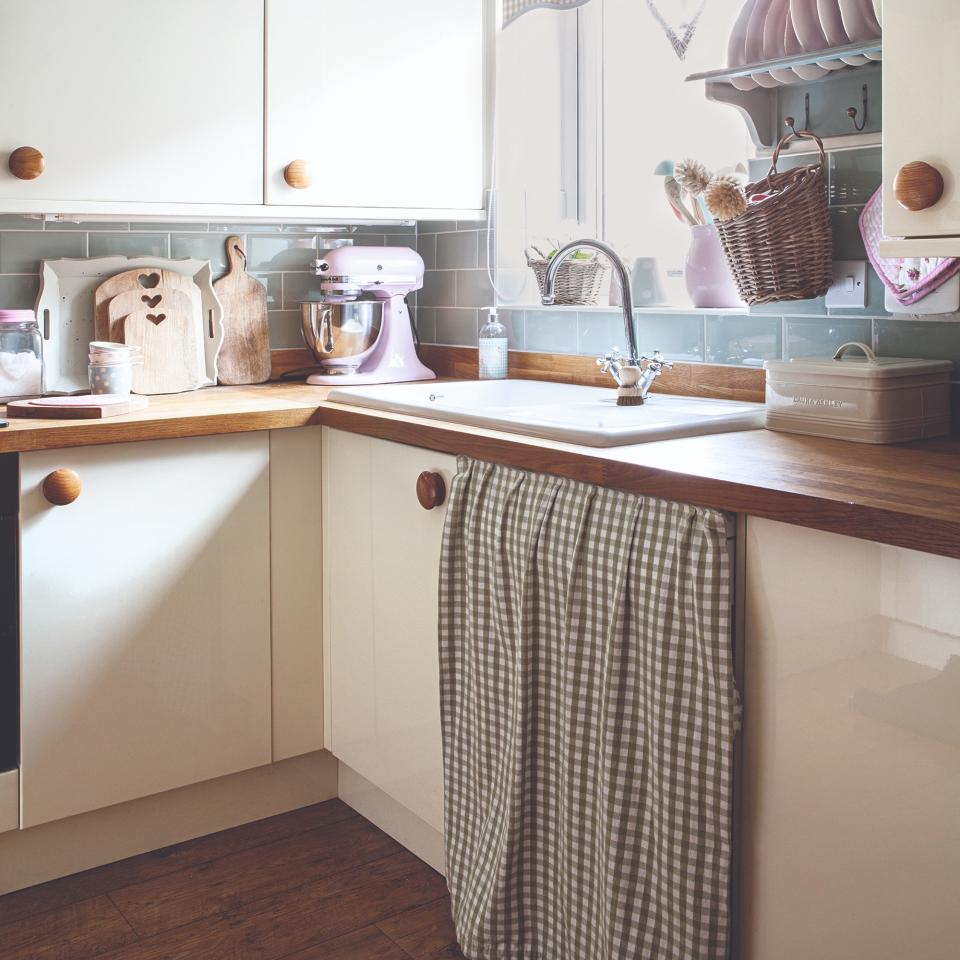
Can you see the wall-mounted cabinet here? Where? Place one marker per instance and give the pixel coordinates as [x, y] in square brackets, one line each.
[132, 103]
[197, 108]
[921, 147]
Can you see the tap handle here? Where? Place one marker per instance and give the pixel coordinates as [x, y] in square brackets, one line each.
[610, 361]
[657, 361]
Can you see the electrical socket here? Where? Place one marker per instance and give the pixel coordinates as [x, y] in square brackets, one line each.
[849, 288]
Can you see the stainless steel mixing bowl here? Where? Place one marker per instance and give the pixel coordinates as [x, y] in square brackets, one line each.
[340, 334]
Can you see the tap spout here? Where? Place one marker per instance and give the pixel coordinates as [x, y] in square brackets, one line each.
[626, 293]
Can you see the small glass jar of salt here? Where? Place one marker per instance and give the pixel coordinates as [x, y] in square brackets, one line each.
[21, 357]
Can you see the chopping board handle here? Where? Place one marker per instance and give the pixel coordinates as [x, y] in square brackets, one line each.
[236, 255]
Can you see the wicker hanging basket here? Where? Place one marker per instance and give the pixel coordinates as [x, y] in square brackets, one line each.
[781, 248]
[578, 281]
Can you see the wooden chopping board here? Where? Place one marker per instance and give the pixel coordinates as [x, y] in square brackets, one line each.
[245, 354]
[142, 282]
[75, 408]
[173, 359]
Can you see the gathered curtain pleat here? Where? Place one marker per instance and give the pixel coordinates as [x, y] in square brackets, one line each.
[589, 712]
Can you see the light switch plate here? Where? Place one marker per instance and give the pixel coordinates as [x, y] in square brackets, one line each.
[849, 288]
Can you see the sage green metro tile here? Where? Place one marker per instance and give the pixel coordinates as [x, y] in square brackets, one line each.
[820, 337]
[19, 293]
[473, 288]
[203, 246]
[436, 226]
[129, 244]
[141, 226]
[678, 336]
[89, 225]
[515, 323]
[847, 239]
[924, 339]
[426, 321]
[269, 254]
[551, 331]
[457, 327]
[13, 221]
[457, 251]
[600, 331]
[742, 341]
[427, 248]
[22, 251]
[298, 287]
[439, 289]
[855, 175]
[285, 329]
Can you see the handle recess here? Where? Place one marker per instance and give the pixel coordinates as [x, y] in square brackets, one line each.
[431, 490]
[26, 163]
[918, 186]
[297, 174]
[61, 487]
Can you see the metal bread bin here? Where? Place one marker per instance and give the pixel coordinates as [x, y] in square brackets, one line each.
[869, 399]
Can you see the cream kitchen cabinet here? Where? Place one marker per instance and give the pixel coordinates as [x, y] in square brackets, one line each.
[381, 102]
[132, 102]
[921, 124]
[146, 633]
[381, 568]
[851, 825]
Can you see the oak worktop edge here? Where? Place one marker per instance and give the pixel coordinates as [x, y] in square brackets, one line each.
[906, 495]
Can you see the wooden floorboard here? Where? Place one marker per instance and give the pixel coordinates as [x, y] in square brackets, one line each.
[157, 863]
[316, 884]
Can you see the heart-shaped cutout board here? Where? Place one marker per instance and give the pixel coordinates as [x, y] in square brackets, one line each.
[156, 318]
[172, 357]
[161, 300]
[135, 284]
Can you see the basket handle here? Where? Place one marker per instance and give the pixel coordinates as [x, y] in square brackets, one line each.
[855, 345]
[799, 135]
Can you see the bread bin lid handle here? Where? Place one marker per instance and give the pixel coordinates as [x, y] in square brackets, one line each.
[855, 345]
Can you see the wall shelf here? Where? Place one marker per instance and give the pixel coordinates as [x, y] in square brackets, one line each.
[765, 107]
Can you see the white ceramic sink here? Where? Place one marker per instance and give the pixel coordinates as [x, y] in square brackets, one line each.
[557, 411]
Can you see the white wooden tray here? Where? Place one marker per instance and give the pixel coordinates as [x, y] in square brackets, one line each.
[65, 313]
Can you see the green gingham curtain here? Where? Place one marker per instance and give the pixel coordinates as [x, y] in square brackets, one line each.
[589, 713]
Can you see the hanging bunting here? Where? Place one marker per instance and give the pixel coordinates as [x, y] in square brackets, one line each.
[515, 8]
[678, 19]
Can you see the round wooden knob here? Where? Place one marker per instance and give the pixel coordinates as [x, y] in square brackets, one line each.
[26, 163]
[431, 490]
[298, 175]
[918, 185]
[61, 487]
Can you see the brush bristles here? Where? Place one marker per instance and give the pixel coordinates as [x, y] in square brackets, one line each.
[634, 401]
[725, 198]
[692, 176]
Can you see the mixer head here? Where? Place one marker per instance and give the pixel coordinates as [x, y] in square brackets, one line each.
[347, 273]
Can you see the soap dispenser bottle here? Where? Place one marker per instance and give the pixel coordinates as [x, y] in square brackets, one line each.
[493, 348]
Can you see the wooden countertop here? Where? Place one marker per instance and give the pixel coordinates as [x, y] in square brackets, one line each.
[906, 494]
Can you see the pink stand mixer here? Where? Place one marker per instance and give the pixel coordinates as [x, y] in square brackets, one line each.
[359, 329]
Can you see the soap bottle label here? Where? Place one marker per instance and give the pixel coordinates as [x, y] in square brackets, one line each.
[493, 358]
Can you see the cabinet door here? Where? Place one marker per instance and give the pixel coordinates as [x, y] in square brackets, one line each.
[920, 122]
[852, 749]
[134, 101]
[381, 570]
[146, 621]
[383, 100]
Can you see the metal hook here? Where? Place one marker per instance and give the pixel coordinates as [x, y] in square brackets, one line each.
[852, 112]
[791, 122]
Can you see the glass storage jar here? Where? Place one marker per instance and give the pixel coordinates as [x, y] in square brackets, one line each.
[21, 355]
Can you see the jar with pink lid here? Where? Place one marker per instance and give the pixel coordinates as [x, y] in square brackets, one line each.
[21, 355]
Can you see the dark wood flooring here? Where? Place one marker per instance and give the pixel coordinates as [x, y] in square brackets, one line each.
[319, 883]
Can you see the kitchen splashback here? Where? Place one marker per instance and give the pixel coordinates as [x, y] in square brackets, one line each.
[457, 292]
[279, 255]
